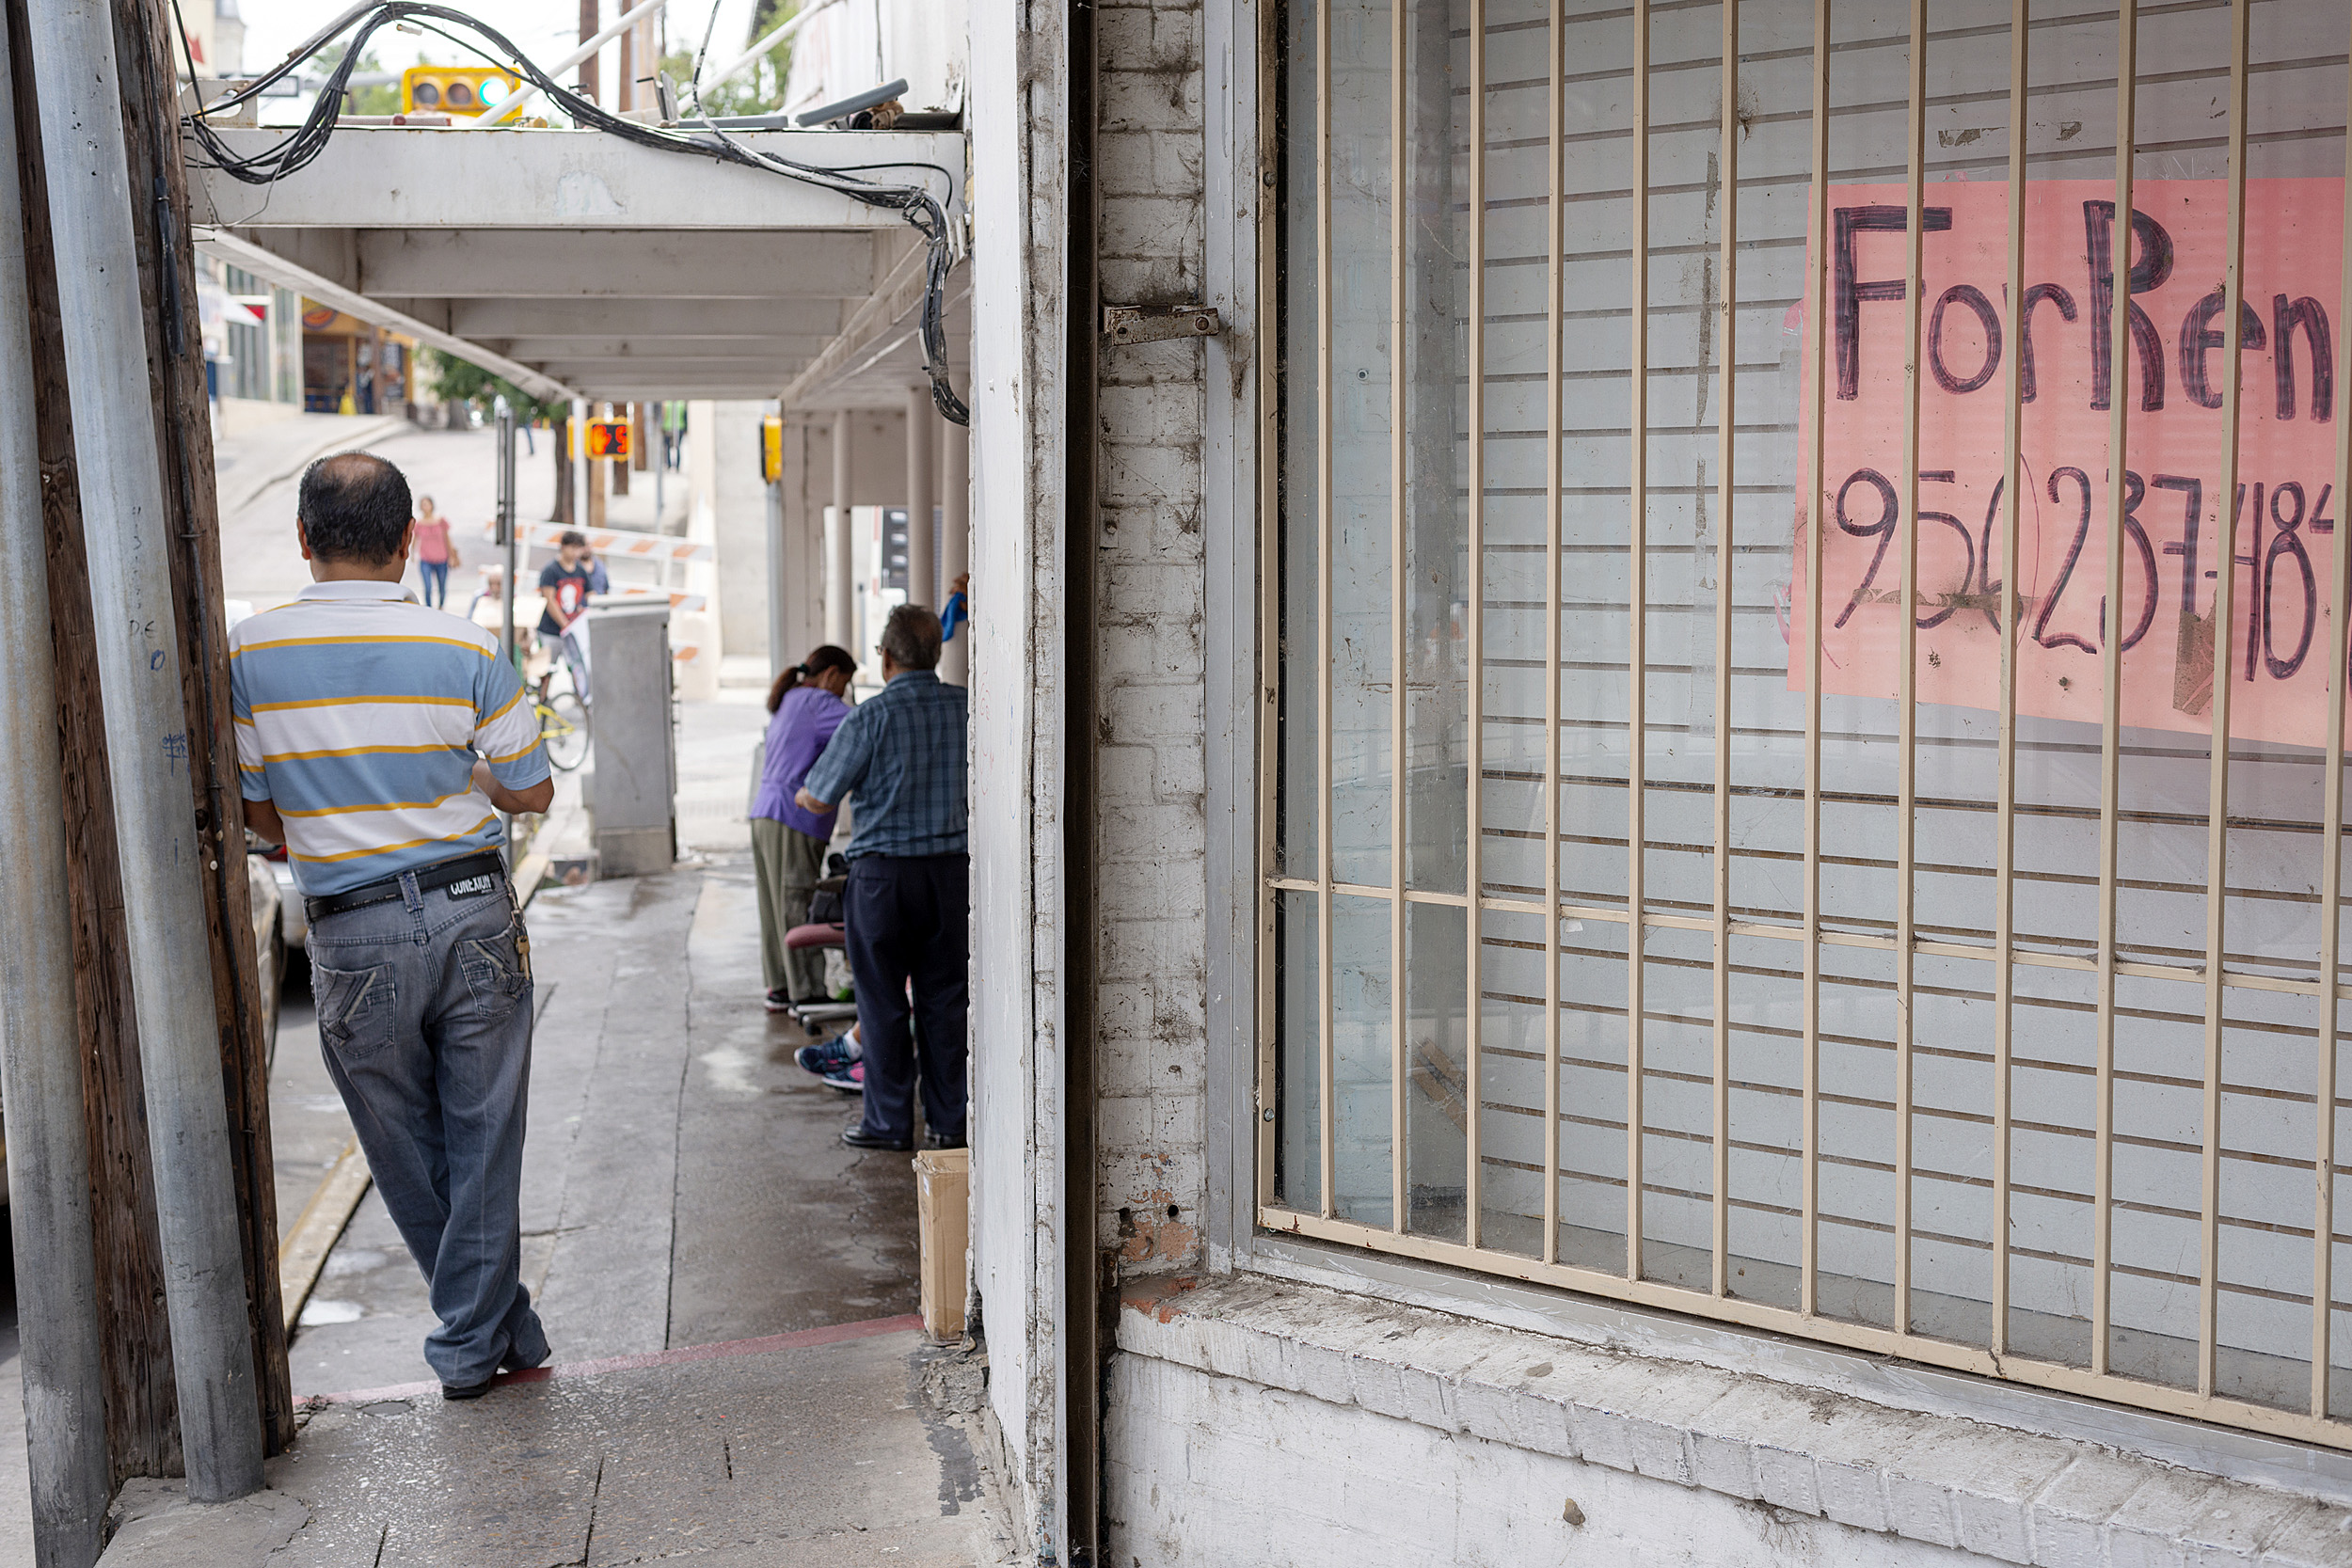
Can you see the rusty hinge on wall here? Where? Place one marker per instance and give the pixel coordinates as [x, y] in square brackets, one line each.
[1146, 323]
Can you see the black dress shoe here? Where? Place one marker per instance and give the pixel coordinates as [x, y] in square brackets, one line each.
[858, 1136]
[943, 1140]
[465, 1390]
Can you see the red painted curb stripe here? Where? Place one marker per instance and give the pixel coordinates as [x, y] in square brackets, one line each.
[832, 1334]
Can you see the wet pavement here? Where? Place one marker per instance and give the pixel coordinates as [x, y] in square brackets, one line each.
[837, 1452]
[726, 1287]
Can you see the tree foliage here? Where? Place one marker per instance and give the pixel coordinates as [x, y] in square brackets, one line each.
[758, 90]
[455, 380]
[382, 98]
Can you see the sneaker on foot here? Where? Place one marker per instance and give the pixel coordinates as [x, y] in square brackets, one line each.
[850, 1080]
[828, 1056]
[779, 1001]
[454, 1391]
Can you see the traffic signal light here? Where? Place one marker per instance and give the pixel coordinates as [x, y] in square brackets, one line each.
[608, 438]
[771, 448]
[455, 89]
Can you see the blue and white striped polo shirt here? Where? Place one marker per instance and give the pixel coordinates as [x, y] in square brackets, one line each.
[359, 713]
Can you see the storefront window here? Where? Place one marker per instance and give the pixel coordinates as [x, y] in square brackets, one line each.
[1960, 1005]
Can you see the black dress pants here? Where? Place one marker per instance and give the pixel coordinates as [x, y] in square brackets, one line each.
[907, 919]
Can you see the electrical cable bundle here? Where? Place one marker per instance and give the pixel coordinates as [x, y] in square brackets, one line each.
[301, 147]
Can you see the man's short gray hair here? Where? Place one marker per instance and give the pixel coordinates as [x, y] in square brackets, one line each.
[910, 638]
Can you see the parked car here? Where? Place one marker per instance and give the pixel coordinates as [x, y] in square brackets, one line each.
[294, 922]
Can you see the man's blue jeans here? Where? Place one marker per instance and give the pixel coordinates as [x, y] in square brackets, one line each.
[424, 1018]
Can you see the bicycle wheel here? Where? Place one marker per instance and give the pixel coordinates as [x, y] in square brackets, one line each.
[563, 726]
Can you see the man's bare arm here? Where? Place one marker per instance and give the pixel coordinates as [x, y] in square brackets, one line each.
[530, 798]
[262, 816]
[808, 802]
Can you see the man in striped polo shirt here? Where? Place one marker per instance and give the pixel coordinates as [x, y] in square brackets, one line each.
[378, 740]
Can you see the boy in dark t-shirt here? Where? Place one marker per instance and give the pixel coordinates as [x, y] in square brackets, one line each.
[564, 586]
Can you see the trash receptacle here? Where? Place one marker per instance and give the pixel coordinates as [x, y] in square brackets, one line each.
[634, 792]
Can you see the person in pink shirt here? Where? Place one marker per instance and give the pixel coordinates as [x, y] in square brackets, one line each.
[436, 555]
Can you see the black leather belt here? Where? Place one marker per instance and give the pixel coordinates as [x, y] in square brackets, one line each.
[486, 865]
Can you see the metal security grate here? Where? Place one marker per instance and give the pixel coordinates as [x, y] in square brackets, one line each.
[1758, 820]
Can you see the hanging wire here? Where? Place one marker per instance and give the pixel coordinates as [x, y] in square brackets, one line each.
[306, 142]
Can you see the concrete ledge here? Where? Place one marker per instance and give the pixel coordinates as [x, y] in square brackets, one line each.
[2026, 1498]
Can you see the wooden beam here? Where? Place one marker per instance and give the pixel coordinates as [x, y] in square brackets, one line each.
[146, 44]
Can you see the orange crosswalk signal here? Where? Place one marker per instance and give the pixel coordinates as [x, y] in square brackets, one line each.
[455, 90]
[608, 438]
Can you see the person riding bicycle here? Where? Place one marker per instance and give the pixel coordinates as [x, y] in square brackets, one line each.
[564, 584]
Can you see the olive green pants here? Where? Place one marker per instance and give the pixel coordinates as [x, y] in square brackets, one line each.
[789, 865]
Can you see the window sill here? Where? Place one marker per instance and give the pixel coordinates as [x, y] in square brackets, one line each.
[2225, 1452]
[1785, 1441]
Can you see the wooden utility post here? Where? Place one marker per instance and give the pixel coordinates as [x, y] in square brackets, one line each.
[148, 44]
[560, 428]
[589, 27]
[142, 1407]
[624, 89]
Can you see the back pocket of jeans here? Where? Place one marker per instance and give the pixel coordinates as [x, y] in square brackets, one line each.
[495, 972]
[355, 1008]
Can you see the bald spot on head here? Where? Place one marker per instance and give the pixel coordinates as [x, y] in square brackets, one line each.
[354, 506]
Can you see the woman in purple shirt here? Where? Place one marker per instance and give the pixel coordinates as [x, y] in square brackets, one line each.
[788, 842]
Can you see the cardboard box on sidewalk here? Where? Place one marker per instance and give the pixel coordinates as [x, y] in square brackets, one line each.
[943, 1203]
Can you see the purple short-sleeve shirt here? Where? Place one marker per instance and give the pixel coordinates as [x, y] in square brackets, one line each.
[803, 723]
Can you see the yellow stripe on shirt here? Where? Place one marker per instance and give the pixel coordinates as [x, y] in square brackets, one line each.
[361, 752]
[388, 848]
[382, 805]
[361, 702]
[347, 641]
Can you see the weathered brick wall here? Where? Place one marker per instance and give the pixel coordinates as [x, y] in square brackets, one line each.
[1150, 950]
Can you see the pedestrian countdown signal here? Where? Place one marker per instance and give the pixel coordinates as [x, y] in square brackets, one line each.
[608, 438]
[455, 90]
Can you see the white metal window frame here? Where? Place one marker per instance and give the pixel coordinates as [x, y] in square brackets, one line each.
[1243, 533]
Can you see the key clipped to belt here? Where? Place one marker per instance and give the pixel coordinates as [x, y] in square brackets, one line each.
[522, 932]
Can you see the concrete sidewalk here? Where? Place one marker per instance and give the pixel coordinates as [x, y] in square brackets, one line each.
[725, 1286]
[836, 1448]
[251, 455]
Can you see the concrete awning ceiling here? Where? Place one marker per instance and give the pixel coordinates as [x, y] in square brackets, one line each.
[575, 264]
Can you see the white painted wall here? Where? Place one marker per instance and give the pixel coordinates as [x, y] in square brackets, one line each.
[1215, 1469]
[1149, 655]
[1020, 96]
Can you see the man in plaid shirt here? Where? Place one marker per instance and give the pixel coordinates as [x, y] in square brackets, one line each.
[907, 910]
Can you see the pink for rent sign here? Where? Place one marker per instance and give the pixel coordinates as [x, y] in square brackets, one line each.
[2277, 530]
